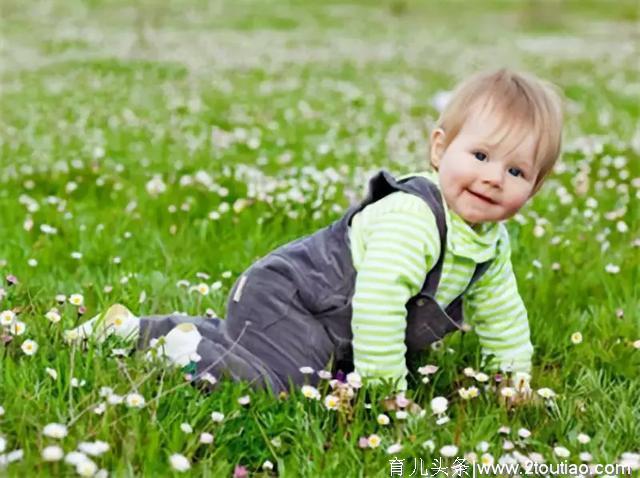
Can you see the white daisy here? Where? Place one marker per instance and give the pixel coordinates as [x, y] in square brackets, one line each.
[52, 453]
[29, 347]
[86, 468]
[115, 399]
[77, 383]
[439, 405]
[393, 449]
[469, 372]
[134, 400]
[53, 316]
[7, 317]
[401, 415]
[482, 446]
[383, 419]
[203, 288]
[373, 441]
[209, 378]
[18, 328]
[487, 459]
[216, 285]
[524, 433]
[354, 379]
[546, 393]
[105, 391]
[585, 456]
[310, 392]
[156, 186]
[508, 392]
[75, 457]
[612, 268]
[442, 420]
[449, 450]
[584, 438]
[428, 369]
[331, 402]
[52, 373]
[179, 462]
[95, 448]
[55, 430]
[217, 416]
[429, 445]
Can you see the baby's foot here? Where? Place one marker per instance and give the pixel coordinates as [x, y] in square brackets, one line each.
[180, 344]
[117, 320]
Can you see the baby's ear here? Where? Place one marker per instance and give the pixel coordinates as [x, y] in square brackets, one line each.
[437, 147]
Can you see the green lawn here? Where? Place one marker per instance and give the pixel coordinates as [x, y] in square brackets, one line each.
[292, 106]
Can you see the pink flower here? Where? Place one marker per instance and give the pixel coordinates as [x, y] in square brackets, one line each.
[240, 472]
[11, 279]
[363, 442]
[401, 400]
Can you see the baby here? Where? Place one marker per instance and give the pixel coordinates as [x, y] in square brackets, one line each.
[398, 272]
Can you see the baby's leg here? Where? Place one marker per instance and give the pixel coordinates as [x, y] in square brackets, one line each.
[186, 340]
[204, 343]
[116, 320]
[181, 336]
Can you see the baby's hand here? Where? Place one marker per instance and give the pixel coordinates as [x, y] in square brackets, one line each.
[400, 402]
[517, 390]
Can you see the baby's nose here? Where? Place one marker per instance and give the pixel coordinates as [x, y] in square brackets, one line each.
[493, 175]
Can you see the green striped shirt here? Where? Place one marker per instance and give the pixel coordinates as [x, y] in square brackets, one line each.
[394, 243]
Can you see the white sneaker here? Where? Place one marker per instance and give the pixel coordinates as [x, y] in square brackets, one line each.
[181, 343]
[117, 320]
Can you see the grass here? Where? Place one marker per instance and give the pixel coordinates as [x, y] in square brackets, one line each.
[98, 97]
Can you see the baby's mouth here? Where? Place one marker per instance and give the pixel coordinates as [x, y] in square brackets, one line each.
[481, 197]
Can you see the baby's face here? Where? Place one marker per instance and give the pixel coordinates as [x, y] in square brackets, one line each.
[481, 181]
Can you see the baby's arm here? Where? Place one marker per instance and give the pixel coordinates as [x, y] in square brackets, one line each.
[495, 309]
[399, 236]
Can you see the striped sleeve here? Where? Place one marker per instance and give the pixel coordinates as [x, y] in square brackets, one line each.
[399, 241]
[495, 309]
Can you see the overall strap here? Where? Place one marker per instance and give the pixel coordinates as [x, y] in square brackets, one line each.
[454, 309]
[383, 184]
[480, 269]
[431, 194]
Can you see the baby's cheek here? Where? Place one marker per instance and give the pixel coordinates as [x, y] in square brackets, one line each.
[517, 201]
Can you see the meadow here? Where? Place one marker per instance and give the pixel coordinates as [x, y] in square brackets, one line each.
[150, 152]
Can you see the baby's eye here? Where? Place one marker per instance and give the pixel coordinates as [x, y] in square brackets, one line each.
[479, 155]
[515, 172]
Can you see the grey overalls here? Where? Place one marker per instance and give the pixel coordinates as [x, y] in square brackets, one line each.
[292, 308]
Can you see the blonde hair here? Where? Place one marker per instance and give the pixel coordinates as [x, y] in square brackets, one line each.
[523, 102]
